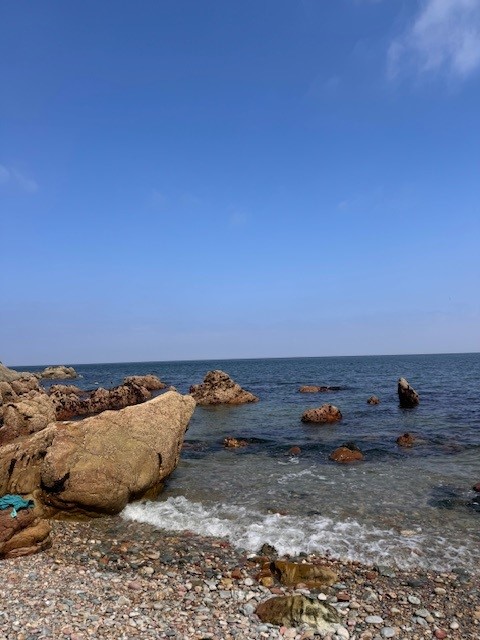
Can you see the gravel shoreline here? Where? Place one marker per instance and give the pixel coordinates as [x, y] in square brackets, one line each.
[110, 578]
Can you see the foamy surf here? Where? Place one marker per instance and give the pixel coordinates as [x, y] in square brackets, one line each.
[348, 540]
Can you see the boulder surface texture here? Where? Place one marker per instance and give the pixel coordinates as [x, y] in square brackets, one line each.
[23, 535]
[97, 465]
[407, 396]
[219, 388]
[292, 611]
[325, 414]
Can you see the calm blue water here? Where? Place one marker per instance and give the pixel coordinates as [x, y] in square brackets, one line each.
[405, 507]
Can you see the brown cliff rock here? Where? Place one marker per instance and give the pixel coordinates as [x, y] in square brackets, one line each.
[98, 464]
[327, 413]
[219, 388]
[23, 535]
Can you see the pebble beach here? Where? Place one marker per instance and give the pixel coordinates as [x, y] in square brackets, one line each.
[110, 578]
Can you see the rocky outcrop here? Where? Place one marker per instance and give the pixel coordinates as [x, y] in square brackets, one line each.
[219, 388]
[317, 389]
[292, 611]
[23, 535]
[348, 452]
[31, 412]
[70, 401]
[373, 400]
[58, 372]
[8, 375]
[407, 396]
[97, 465]
[327, 413]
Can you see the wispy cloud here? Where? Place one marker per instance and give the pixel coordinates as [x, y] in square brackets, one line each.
[13, 176]
[444, 37]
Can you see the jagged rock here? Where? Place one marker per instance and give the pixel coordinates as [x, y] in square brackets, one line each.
[325, 413]
[373, 400]
[407, 396]
[312, 575]
[67, 389]
[406, 440]
[317, 389]
[233, 443]
[23, 535]
[346, 453]
[152, 383]
[32, 412]
[58, 372]
[69, 403]
[7, 394]
[292, 611]
[219, 388]
[98, 464]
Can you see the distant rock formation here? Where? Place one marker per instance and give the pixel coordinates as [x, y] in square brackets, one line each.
[317, 389]
[407, 396]
[58, 372]
[373, 400]
[97, 465]
[327, 413]
[218, 388]
[234, 443]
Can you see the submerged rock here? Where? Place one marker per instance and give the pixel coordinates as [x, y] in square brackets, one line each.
[218, 388]
[406, 440]
[97, 465]
[407, 395]
[292, 611]
[233, 443]
[373, 400]
[327, 413]
[317, 389]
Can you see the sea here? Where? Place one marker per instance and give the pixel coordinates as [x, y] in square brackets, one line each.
[410, 508]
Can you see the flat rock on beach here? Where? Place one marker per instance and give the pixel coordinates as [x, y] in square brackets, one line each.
[109, 578]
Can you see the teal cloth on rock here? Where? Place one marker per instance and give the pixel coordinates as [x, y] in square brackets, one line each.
[16, 502]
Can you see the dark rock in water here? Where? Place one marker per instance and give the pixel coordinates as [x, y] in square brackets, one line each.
[406, 440]
[407, 396]
[348, 452]
[233, 443]
[292, 611]
[268, 551]
[218, 388]
[373, 400]
[327, 413]
[294, 451]
[476, 487]
[317, 389]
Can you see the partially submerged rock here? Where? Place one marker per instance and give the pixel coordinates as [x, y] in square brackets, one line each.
[150, 382]
[218, 388]
[373, 400]
[407, 440]
[97, 465]
[327, 413]
[311, 388]
[23, 535]
[348, 452]
[58, 372]
[233, 443]
[407, 395]
[292, 611]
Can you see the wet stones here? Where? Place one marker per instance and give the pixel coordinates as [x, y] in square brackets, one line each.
[406, 440]
[326, 414]
[233, 443]
[293, 573]
[407, 395]
[349, 452]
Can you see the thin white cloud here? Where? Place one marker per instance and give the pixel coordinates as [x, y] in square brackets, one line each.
[14, 177]
[444, 37]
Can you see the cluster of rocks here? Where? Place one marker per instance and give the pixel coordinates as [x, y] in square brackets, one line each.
[91, 466]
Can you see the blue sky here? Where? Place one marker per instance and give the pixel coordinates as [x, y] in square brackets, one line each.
[214, 179]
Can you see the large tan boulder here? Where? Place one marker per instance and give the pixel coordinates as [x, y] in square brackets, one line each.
[23, 535]
[8, 375]
[312, 575]
[31, 413]
[97, 465]
[218, 388]
[7, 394]
[327, 413]
[58, 372]
[150, 382]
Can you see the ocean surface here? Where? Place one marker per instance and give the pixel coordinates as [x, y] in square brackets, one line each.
[404, 507]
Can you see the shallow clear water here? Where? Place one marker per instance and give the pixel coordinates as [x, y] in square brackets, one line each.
[402, 506]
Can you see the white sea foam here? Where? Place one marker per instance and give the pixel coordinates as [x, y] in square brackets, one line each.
[248, 529]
